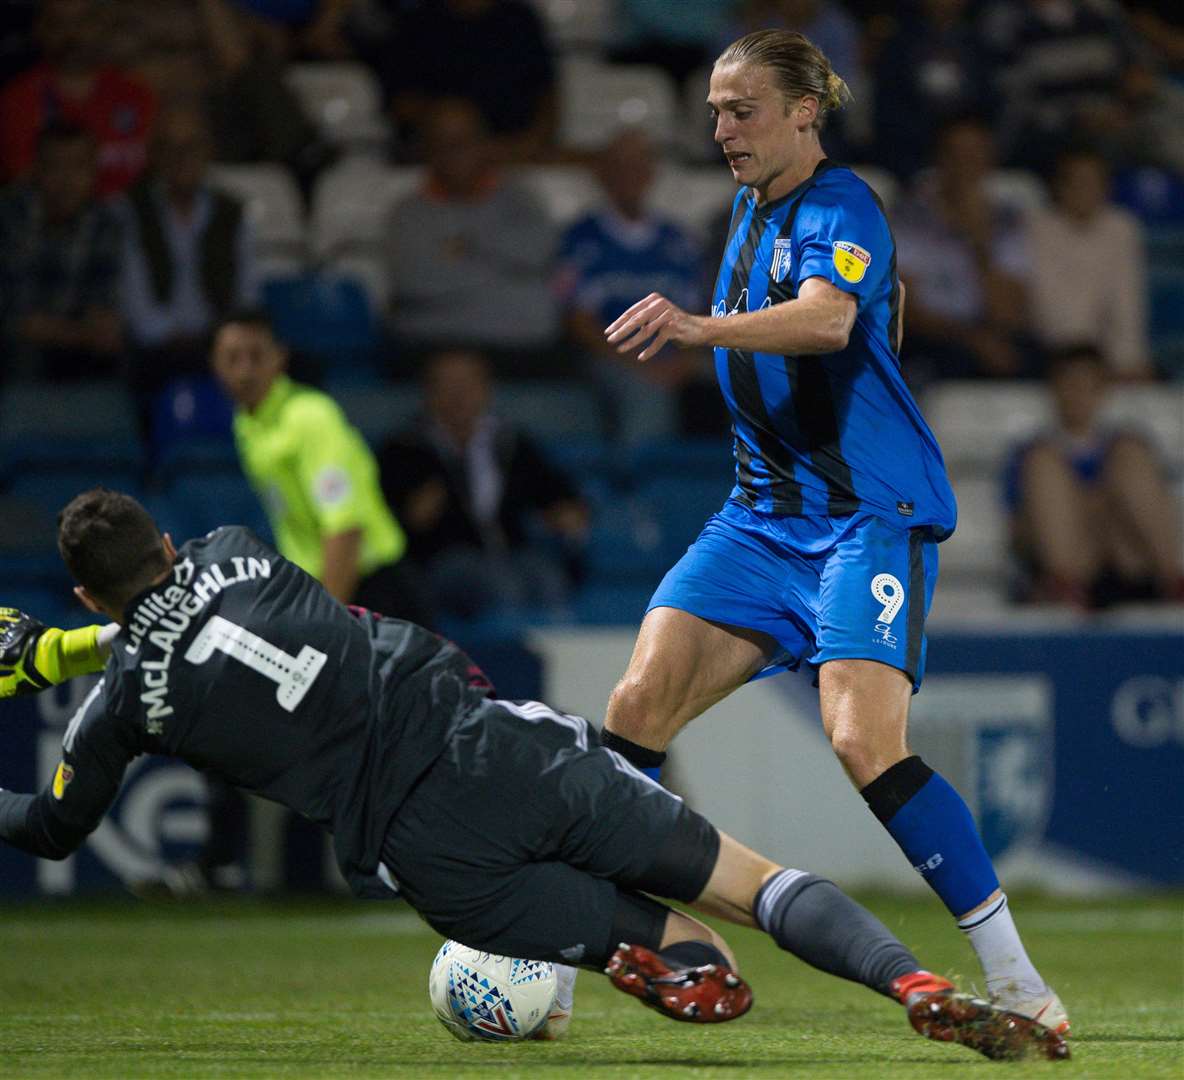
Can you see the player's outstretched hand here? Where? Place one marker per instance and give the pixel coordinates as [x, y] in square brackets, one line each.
[34, 656]
[658, 319]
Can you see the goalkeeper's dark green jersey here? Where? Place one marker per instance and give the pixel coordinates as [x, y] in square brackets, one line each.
[242, 665]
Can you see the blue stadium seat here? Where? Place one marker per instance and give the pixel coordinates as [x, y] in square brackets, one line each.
[1154, 195]
[79, 410]
[50, 486]
[625, 546]
[169, 514]
[52, 604]
[190, 407]
[328, 317]
[1167, 302]
[125, 456]
[377, 411]
[613, 605]
[591, 465]
[201, 501]
[681, 506]
[212, 453]
[28, 544]
[68, 424]
[551, 408]
[708, 459]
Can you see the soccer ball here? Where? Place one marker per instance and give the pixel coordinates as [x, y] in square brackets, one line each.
[477, 995]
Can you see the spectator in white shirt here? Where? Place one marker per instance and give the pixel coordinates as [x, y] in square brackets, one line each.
[1089, 268]
[188, 255]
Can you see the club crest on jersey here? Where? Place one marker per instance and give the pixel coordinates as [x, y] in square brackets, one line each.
[781, 259]
[851, 261]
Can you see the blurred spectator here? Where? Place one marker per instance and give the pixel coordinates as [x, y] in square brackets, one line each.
[931, 70]
[188, 255]
[1089, 268]
[59, 264]
[73, 84]
[680, 38]
[314, 473]
[829, 26]
[610, 258]
[1161, 22]
[308, 28]
[1059, 69]
[473, 490]
[1150, 130]
[1093, 521]
[470, 254]
[964, 261]
[491, 53]
[255, 116]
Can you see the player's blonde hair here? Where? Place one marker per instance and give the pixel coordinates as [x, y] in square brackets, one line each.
[800, 69]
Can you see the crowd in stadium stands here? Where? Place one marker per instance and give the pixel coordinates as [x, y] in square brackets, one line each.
[458, 193]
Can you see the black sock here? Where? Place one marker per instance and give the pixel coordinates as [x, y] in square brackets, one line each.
[692, 954]
[819, 923]
[640, 756]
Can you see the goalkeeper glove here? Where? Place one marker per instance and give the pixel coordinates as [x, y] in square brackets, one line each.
[34, 656]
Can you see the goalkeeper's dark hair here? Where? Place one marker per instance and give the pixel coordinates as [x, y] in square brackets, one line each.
[799, 68]
[110, 545]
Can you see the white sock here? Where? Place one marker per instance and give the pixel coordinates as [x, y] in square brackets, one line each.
[565, 992]
[1009, 973]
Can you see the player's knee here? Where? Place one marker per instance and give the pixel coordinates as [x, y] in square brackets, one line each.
[638, 708]
[863, 758]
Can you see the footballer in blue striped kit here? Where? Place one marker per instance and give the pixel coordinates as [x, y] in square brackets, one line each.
[826, 552]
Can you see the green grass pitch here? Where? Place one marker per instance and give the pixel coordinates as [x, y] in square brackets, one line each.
[322, 990]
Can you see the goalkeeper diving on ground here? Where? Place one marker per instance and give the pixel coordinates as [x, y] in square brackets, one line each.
[505, 824]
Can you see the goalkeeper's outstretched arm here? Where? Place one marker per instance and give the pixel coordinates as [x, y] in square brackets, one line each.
[97, 747]
[34, 657]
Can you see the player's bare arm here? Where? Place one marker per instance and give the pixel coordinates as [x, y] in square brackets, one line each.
[342, 551]
[818, 321]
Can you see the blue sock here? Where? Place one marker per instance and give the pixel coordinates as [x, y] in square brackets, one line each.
[935, 829]
[640, 757]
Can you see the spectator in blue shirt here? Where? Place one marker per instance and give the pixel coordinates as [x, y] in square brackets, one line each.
[1093, 522]
[610, 257]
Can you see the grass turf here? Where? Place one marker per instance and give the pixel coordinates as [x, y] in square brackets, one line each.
[322, 990]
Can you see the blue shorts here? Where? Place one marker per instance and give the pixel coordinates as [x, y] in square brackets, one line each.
[823, 588]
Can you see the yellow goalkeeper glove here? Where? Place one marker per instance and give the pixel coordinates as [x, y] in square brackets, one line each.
[34, 656]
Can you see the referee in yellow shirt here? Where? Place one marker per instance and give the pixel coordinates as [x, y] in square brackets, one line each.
[314, 473]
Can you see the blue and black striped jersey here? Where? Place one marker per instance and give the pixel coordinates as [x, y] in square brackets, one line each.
[836, 433]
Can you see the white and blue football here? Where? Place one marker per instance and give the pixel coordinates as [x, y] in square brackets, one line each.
[480, 996]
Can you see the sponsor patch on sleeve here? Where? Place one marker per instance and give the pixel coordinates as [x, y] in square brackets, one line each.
[61, 779]
[332, 486]
[851, 261]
